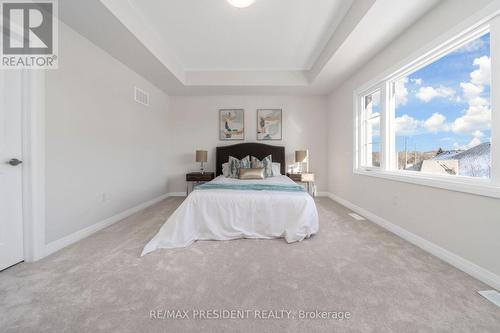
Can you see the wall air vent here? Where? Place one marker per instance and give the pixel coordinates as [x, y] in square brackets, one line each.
[141, 97]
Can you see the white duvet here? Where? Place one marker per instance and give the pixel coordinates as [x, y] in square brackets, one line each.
[223, 214]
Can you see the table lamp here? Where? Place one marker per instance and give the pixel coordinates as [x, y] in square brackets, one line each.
[302, 156]
[201, 156]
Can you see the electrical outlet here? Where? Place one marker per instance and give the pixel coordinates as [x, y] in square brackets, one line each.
[395, 200]
[104, 197]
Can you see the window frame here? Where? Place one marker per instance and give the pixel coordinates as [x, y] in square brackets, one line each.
[469, 30]
[362, 128]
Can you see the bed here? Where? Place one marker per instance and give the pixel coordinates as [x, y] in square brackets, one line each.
[228, 208]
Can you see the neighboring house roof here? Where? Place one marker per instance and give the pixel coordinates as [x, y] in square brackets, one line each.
[473, 162]
[445, 167]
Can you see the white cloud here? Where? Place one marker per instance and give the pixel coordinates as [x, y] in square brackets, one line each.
[479, 101]
[417, 81]
[472, 46]
[478, 134]
[401, 91]
[470, 90]
[436, 123]
[476, 118]
[482, 75]
[474, 121]
[426, 94]
[407, 125]
[476, 140]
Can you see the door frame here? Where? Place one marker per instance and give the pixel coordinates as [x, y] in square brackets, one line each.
[33, 154]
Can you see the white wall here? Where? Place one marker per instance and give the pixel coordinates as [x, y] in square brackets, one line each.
[467, 225]
[195, 122]
[99, 142]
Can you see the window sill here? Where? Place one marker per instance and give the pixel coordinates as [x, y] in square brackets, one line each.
[482, 187]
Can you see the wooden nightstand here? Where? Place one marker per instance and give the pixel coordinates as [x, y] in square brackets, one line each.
[307, 179]
[198, 178]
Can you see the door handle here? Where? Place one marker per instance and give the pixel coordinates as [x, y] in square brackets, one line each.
[14, 162]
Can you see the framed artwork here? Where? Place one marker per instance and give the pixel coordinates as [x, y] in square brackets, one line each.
[231, 124]
[269, 123]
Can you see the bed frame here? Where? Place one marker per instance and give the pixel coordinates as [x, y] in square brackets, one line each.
[241, 150]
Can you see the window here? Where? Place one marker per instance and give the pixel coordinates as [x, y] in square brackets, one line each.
[442, 118]
[431, 121]
[371, 130]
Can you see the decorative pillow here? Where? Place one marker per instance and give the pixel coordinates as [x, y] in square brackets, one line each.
[225, 169]
[235, 165]
[252, 173]
[276, 169]
[266, 163]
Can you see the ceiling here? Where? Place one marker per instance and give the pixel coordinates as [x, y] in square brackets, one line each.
[206, 47]
[269, 35]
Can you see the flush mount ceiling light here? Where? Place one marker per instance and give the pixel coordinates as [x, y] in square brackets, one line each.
[241, 3]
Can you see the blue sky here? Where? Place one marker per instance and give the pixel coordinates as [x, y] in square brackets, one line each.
[447, 103]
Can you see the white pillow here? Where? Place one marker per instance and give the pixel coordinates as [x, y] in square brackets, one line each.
[225, 169]
[276, 169]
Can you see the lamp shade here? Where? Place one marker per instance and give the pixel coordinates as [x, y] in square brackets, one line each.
[301, 156]
[201, 155]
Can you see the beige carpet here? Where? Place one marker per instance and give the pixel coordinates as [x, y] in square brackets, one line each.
[102, 285]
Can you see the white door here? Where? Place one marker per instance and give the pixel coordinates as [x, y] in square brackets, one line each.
[11, 219]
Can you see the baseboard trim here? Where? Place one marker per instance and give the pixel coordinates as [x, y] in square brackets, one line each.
[177, 194]
[81, 234]
[462, 264]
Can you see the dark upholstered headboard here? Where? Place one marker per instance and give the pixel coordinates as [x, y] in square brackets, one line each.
[241, 150]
